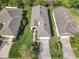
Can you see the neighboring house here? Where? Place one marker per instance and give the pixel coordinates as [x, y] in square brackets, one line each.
[40, 22]
[64, 22]
[10, 18]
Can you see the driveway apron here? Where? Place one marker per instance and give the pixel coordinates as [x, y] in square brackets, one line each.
[67, 50]
[4, 52]
[44, 49]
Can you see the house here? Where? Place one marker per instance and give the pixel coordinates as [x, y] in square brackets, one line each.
[64, 22]
[10, 18]
[40, 22]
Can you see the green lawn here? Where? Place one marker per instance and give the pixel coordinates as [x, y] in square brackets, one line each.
[56, 48]
[55, 45]
[75, 45]
[25, 39]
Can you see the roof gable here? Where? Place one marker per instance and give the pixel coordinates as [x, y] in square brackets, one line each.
[11, 18]
[65, 21]
[41, 16]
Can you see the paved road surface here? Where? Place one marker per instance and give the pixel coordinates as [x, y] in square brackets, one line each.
[44, 49]
[67, 50]
[4, 52]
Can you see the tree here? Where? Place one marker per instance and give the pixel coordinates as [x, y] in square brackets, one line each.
[12, 3]
[36, 47]
[70, 3]
[20, 4]
[38, 2]
[66, 3]
[32, 2]
[75, 3]
[3, 3]
[53, 2]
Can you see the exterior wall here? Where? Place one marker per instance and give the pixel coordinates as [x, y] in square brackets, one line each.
[61, 37]
[55, 25]
[8, 36]
[43, 37]
[11, 7]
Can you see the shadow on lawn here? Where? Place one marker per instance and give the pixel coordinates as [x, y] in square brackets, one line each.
[50, 22]
[23, 23]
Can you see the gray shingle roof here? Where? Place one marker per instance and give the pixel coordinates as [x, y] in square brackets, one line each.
[11, 18]
[41, 20]
[65, 21]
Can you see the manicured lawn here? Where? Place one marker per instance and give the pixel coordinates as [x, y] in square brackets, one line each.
[75, 45]
[56, 49]
[55, 45]
[24, 40]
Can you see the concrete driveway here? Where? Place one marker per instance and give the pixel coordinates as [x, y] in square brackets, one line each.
[5, 48]
[44, 49]
[67, 50]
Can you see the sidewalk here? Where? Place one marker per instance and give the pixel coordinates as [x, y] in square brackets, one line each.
[4, 52]
[44, 49]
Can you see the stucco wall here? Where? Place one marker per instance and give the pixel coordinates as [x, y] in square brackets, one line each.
[43, 37]
[8, 36]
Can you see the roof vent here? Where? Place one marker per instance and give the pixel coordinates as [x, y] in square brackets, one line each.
[39, 23]
[68, 20]
[65, 13]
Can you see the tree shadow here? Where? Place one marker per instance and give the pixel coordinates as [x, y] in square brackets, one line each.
[23, 23]
[50, 23]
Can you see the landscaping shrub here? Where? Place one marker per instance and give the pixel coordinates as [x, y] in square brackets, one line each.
[14, 39]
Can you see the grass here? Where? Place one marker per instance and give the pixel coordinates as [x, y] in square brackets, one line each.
[55, 45]
[25, 39]
[75, 44]
[56, 49]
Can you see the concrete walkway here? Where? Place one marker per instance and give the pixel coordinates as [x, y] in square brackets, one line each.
[67, 50]
[4, 52]
[44, 49]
